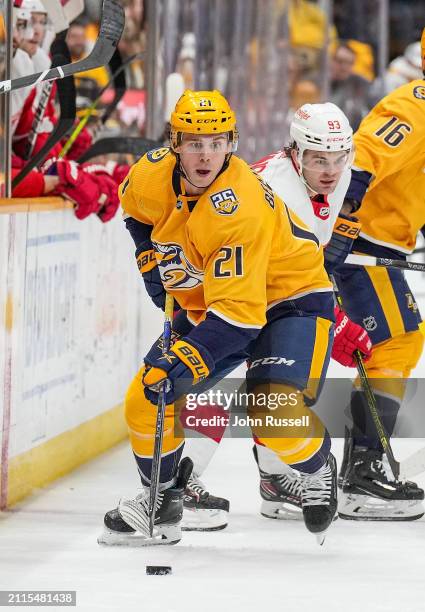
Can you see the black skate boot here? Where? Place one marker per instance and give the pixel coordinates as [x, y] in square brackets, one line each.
[280, 494]
[203, 511]
[370, 493]
[128, 525]
[319, 498]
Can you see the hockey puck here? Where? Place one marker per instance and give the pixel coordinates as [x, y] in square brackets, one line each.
[158, 570]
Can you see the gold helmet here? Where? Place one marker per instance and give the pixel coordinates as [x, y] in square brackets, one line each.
[203, 112]
[423, 50]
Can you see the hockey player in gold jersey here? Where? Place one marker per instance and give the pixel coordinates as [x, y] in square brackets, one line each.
[388, 189]
[248, 275]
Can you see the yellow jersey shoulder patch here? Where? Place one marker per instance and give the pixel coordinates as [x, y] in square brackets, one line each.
[155, 155]
[224, 202]
[419, 92]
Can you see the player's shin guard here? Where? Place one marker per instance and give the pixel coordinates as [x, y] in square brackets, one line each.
[203, 511]
[346, 456]
[304, 446]
[141, 415]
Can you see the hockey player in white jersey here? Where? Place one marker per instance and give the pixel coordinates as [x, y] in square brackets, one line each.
[312, 176]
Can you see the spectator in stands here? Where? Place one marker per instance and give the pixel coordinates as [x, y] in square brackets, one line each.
[349, 91]
[88, 83]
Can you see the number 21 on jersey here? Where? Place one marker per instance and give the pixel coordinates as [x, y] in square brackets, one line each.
[229, 262]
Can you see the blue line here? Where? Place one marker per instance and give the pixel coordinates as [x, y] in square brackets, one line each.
[52, 238]
[40, 389]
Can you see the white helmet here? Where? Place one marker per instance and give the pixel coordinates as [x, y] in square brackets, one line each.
[24, 15]
[34, 6]
[21, 13]
[321, 127]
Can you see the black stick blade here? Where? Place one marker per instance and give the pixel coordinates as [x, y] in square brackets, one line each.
[111, 28]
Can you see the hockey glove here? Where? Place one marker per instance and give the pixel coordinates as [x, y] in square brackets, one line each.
[345, 231]
[349, 337]
[148, 267]
[81, 144]
[184, 362]
[76, 185]
[108, 188]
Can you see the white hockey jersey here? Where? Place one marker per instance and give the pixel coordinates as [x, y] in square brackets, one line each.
[22, 65]
[279, 172]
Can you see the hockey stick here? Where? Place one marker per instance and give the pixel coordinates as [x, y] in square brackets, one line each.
[159, 428]
[420, 250]
[371, 402]
[373, 409]
[66, 94]
[59, 50]
[39, 114]
[117, 67]
[367, 260]
[126, 144]
[111, 28]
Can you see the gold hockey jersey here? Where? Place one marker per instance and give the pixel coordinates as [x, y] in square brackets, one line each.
[390, 144]
[234, 250]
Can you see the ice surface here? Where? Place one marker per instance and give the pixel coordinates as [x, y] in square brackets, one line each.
[49, 542]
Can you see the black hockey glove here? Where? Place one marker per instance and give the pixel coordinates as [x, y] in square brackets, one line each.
[346, 230]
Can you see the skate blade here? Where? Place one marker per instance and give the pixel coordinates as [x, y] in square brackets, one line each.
[281, 511]
[204, 520]
[320, 537]
[356, 507]
[135, 540]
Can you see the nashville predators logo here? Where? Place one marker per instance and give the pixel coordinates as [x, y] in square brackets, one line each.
[157, 154]
[224, 202]
[174, 267]
[419, 92]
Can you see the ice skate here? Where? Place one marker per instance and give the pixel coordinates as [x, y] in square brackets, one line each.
[280, 494]
[203, 511]
[319, 498]
[128, 525]
[370, 492]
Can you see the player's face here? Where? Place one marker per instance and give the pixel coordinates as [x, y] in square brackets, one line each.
[76, 39]
[322, 170]
[38, 23]
[203, 156]
[18, 34]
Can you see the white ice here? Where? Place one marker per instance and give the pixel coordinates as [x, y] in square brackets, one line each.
[49, 542]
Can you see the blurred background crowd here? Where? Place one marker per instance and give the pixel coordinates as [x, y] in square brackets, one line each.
[267, 56]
